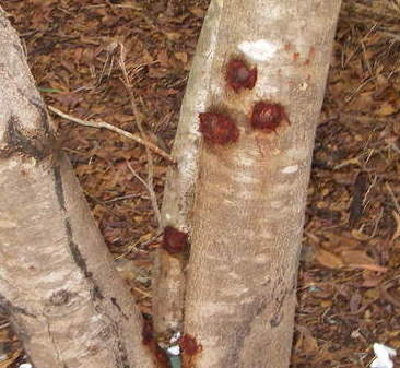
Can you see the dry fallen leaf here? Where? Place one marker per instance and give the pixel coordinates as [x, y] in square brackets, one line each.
[325, 303]
[310, 344]
[328, 259]
[359, 235]
[182, 56]
[356, 257]
[371, 267]
[386, 109]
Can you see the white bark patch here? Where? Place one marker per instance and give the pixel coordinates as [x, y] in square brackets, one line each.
[235, 292]
[290, 169]
[259, 50]
[264, 87]
[211, 308]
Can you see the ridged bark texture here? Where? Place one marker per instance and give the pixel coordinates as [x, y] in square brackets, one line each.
[67, 302]
[244, 203]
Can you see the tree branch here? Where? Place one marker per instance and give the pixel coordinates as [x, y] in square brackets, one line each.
[104, 125]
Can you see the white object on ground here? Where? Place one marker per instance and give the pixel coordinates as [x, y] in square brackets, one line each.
[173, 350]
[383, 356]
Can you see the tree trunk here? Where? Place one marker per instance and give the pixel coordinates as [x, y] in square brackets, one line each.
[67, 302]
[243, 203]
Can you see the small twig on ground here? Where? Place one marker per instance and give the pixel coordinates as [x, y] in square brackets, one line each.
[138, 116]
[351, 117]
[370, 187]
[372, 29]
[375, 229]
[150, 189]
[139, 243]
[378, 220]
[123, 198]
[4, 325]
[104, 125]
[359, 88]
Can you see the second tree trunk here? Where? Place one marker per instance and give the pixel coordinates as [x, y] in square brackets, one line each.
[243, 203]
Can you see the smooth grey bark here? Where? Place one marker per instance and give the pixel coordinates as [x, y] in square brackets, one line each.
[67, 302]
[243, 204]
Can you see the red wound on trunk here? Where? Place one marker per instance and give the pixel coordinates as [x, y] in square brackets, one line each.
[267, 116]
[239, 75]
[174, 241]
[218, 128]
[189, 345]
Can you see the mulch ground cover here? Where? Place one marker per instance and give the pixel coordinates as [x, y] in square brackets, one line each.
[91, 59]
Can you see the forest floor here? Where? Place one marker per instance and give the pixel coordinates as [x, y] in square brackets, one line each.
[349, 279]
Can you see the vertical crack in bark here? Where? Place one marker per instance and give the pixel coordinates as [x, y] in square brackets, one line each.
[76, 254]
[53, 341]
[115, 303]
[75, 251]
[123, 352]
[121, 359]
[59, 188]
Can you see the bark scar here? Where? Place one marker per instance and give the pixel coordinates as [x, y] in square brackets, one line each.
[34, 144]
